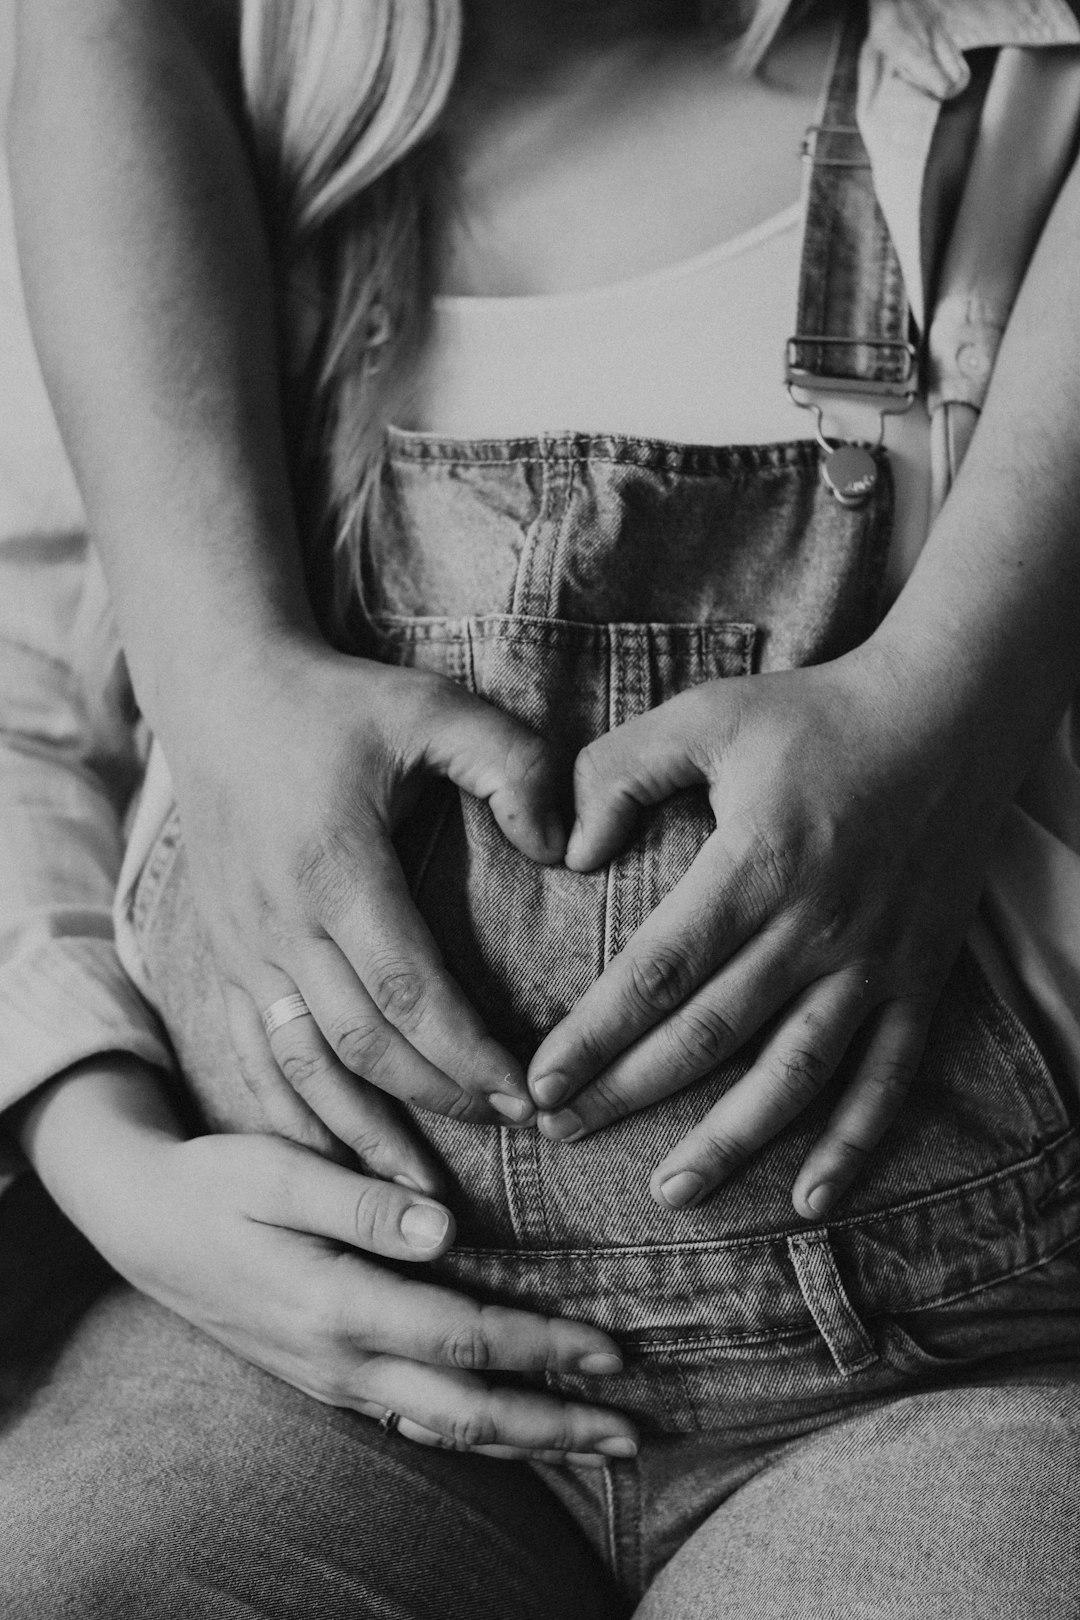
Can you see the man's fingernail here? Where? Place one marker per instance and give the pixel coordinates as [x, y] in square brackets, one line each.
[620, 1445]
[600, 1364]
[821, 1197]
[424, 1225]
[518, 1109]
[682, 1188]
[560, 1127]
[550, 1089]
[575, 841]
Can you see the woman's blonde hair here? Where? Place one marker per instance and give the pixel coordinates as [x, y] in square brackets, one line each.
[341, 95]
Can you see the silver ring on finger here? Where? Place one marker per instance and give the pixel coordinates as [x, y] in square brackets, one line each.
[283, 1011]
[390, 1422]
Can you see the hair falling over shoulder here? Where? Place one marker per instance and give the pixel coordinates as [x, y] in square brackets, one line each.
[341, 96]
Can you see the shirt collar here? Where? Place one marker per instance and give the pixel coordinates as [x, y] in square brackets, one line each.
[923, 41]
[912, 62]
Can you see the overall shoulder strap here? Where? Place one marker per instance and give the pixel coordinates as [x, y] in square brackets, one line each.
[853, 326]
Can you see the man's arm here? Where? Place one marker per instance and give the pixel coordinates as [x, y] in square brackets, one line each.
[68, 761]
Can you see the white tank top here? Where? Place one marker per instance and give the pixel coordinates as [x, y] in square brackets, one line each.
[691, 353]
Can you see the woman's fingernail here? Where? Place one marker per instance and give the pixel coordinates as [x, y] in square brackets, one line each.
[518, 1109]
[620, 1445]
[575, 841]
[424, 1225]
[821, 1197]
[682, 1188]
[550, 1089]
[600, 1364]
[560, 1127]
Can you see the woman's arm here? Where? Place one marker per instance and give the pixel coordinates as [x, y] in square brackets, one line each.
[150, 294]
[856, 804]
[262, 1244]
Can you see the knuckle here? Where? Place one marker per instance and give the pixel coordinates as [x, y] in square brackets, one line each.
[892, 1080]
[361, 1043]
[702, 1038]
[662, 980]
[608, 1102]
[721, 1156]
[464, 1108]
[399, 991]
[303, 1070]
[470, 1428]
[852, 1150]
[800, 1074]
[466, 1347]
[830, 917]
[373, 1218]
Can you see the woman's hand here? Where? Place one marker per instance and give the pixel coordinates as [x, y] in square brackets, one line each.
[854, 815]
[289, 794]
[264, 1246]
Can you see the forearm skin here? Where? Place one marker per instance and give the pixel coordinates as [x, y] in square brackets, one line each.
[989, 622]
[150, 295]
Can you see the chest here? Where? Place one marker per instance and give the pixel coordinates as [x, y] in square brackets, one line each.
[634, 161]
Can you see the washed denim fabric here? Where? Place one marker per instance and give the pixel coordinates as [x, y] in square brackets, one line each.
[157, 1476]
[576, 582]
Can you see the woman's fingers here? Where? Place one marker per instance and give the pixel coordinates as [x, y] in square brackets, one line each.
[885, 1073]
[396, 1315]
[715, 907]
[458, 1411]
[795, 1065]
[306, 1194]
[398, 1017]
[715, 1022]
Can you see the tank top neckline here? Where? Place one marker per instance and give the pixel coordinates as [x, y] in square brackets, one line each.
[488, 304]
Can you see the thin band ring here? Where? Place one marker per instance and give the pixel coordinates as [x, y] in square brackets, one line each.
[283, 1011]
[390, 1422]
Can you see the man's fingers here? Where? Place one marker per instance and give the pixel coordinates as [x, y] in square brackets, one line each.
[323, 1106]
[377, 1217]
[870, 1103]
[795, 1065]
[713, 909]
[638, 764]
[285, 1113]
[705, 1031]
[492, 756]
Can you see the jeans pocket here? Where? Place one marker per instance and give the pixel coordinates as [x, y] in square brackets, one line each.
[1029, 1317]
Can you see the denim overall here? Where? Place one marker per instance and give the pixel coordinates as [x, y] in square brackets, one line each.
[576, 581]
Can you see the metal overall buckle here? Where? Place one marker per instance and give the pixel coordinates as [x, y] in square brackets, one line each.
[849, 470]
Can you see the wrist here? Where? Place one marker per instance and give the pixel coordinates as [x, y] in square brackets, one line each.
[98, 1137]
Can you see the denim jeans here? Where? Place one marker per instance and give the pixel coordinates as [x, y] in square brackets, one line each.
[576, 582]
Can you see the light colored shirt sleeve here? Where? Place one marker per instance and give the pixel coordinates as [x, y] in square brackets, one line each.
[71, 755]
